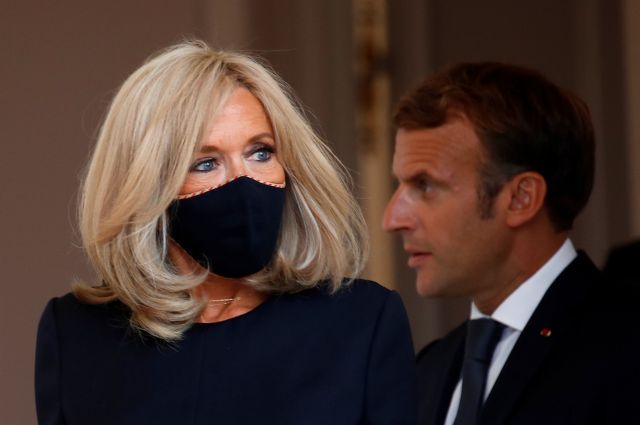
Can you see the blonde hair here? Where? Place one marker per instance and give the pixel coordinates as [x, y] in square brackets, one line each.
[150, 135]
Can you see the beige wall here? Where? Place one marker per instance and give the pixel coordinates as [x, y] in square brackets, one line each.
[61, 62]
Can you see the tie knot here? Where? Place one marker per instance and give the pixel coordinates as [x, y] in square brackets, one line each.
[482, 337]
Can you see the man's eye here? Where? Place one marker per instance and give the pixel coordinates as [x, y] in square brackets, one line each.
[204, 165]
[425, 186]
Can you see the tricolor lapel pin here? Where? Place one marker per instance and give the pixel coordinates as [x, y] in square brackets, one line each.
[545, 332]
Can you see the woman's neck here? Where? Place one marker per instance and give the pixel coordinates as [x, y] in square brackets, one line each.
[226, 298]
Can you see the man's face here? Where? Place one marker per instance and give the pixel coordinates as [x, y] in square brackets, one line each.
[435, 208]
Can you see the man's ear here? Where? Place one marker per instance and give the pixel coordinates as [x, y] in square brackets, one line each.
[527, 192]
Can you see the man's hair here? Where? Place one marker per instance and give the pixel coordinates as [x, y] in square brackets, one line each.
[524, 123]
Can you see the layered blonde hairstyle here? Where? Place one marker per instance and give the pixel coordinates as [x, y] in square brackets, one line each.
[148, 140]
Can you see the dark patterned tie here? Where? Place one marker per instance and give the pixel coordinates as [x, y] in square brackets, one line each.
[482, 337]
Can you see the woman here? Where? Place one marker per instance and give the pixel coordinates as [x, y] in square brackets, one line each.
[223, 234]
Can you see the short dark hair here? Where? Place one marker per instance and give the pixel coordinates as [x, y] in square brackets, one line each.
[524, 122]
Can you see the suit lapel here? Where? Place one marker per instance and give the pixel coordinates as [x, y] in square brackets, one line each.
[545, 329]
[441, 377]
[450, 377]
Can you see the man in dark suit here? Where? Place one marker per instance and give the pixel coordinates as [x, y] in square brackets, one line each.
[493, 163]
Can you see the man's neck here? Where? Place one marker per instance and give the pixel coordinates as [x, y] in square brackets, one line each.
[525, 260]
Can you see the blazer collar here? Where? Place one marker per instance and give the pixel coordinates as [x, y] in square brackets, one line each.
[548, 324]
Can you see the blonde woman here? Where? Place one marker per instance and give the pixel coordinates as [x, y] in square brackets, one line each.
[224, 238]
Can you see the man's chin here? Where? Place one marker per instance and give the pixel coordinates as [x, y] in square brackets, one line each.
[428, 286]
[427, 289]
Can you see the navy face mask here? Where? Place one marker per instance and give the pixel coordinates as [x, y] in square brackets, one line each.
[233, 229]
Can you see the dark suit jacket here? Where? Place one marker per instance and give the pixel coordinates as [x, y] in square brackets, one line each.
[305, 358]
[586, 372]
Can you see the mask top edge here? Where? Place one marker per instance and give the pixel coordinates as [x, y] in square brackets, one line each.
[200, 192]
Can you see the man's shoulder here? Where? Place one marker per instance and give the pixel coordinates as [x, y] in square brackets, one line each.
[442, 349]
[583, 289]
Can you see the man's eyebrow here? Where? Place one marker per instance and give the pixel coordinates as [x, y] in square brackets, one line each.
[420, 176]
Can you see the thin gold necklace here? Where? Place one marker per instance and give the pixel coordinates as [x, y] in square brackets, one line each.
[223, 301]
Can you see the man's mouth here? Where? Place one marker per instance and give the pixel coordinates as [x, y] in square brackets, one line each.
[416, 257]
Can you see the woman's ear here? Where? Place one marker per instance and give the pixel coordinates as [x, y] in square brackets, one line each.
[527, 192]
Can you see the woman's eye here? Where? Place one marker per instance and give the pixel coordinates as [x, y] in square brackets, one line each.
[262, 154]
[204, 165]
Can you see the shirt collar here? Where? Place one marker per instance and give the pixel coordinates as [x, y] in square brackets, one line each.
[516, 310]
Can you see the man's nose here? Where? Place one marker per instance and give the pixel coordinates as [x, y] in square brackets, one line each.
[396, 214]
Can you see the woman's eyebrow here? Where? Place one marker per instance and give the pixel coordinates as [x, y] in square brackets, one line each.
[209, 149]
[261, 136]
[254, 139]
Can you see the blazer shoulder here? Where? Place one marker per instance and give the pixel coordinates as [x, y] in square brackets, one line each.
[70, 304]
[357, 293]
[359, 306]
[367, 288]
[365, 295]
[72, 315]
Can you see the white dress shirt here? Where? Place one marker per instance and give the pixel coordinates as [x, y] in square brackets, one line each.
[514, 312]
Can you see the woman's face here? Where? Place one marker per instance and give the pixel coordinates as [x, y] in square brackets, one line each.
[238, 142]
